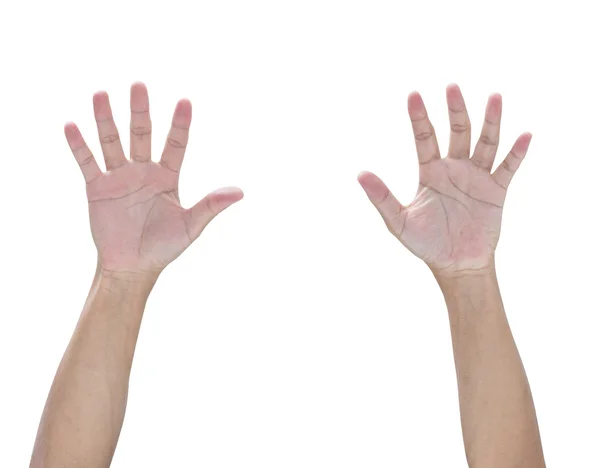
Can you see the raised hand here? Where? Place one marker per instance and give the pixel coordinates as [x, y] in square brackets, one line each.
[453, 223]
[137, 222]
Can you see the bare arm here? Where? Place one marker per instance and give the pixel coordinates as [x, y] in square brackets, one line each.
[453, 224]
[86, 405]
[497, 412]
[139, 227]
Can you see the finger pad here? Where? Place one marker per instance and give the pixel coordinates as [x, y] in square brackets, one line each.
[494, 107]
[454, 95]
[227, 195]
[73, 134]
[139, 97]
[372, 184]
[416, 106]
[522, 143]
[102, 105]
[183, 113]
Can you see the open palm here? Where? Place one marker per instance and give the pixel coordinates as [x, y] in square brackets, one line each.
[137, 222]
[453, 223]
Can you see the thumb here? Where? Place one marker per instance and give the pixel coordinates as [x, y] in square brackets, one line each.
[210, 206]
[390, 209]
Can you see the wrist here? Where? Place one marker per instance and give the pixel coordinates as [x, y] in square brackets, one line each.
[125, 282]
[466, 280]
[471, 296]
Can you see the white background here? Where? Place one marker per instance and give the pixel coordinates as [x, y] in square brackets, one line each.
[297, 332]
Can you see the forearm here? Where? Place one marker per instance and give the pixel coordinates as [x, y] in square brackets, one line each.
[86, 405]
[497, 411]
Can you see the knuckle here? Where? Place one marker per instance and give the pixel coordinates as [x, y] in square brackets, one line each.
[187, 219]
[141, 130]
[478, 163]
[459, 128]
[210, 206]
[385, 198]
[488, 141]
[396, 223]
[508, 167]
[109, 139]
[423, 118]
[88, 160]
[423, 135]
[512, 162]
[516, 156]
[176, 143]
[429, 161]
[167, 167]
[501, 182]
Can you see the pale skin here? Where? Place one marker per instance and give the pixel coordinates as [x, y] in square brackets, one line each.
[453, 225]
[139, 227]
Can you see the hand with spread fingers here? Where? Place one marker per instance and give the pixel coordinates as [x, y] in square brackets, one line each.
[139, 227]
[137, 221]
[453, 223]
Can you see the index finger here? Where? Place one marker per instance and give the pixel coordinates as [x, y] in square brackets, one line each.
[425, 139]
